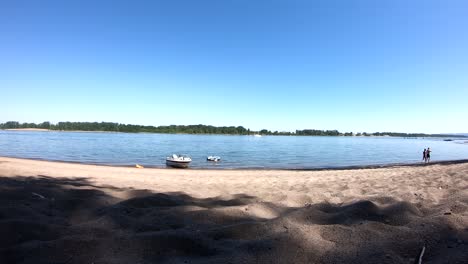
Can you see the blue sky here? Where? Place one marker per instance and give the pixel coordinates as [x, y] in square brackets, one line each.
[280, 65]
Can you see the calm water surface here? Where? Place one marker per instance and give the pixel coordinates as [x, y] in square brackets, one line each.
[288, 152]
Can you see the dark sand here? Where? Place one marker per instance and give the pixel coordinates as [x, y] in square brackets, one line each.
[70, 213]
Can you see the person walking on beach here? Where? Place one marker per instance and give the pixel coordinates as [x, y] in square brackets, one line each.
[428, 155]
[424, 155]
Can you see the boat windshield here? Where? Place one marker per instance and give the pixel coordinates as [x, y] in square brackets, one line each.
[179, 157]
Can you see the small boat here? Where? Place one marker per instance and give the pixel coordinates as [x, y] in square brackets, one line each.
[213, 158]
[178, 161]
[257, 135]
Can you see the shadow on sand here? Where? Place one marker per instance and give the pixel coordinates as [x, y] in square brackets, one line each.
[65, 220]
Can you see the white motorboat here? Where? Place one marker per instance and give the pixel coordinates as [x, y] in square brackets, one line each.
[178, 161]
[213, 158]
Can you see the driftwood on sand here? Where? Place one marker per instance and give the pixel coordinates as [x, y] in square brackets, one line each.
[420, 255]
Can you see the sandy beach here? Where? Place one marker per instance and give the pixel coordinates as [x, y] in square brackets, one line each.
[53, 212]
[26, 129]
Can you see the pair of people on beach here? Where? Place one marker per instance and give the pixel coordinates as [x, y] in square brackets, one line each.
[427, 155]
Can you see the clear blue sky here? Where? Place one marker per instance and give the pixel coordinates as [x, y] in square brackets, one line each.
[280, 65]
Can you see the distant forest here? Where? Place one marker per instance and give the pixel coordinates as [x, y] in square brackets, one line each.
[196, 129]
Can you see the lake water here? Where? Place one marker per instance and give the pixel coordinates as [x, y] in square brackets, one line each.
[284, 152]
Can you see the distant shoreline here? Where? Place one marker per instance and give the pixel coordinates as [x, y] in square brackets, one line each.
[27, 129]
[51, 130]
[204, 129]
[455, 137]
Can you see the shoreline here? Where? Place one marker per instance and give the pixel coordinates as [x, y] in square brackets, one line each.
[332, 168]
[454, 137]
[26, 129]
[51, 130]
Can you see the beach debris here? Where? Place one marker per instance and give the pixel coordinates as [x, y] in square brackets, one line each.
[38, 195]
[139, 166]
[447, 213]
[421, 254]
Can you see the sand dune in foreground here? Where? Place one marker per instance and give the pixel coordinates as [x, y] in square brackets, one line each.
[71, 213]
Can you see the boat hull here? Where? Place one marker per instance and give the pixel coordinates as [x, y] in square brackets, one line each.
[177, 164]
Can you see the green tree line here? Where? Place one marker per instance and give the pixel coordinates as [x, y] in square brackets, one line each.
[195, 129]
[116, 127]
